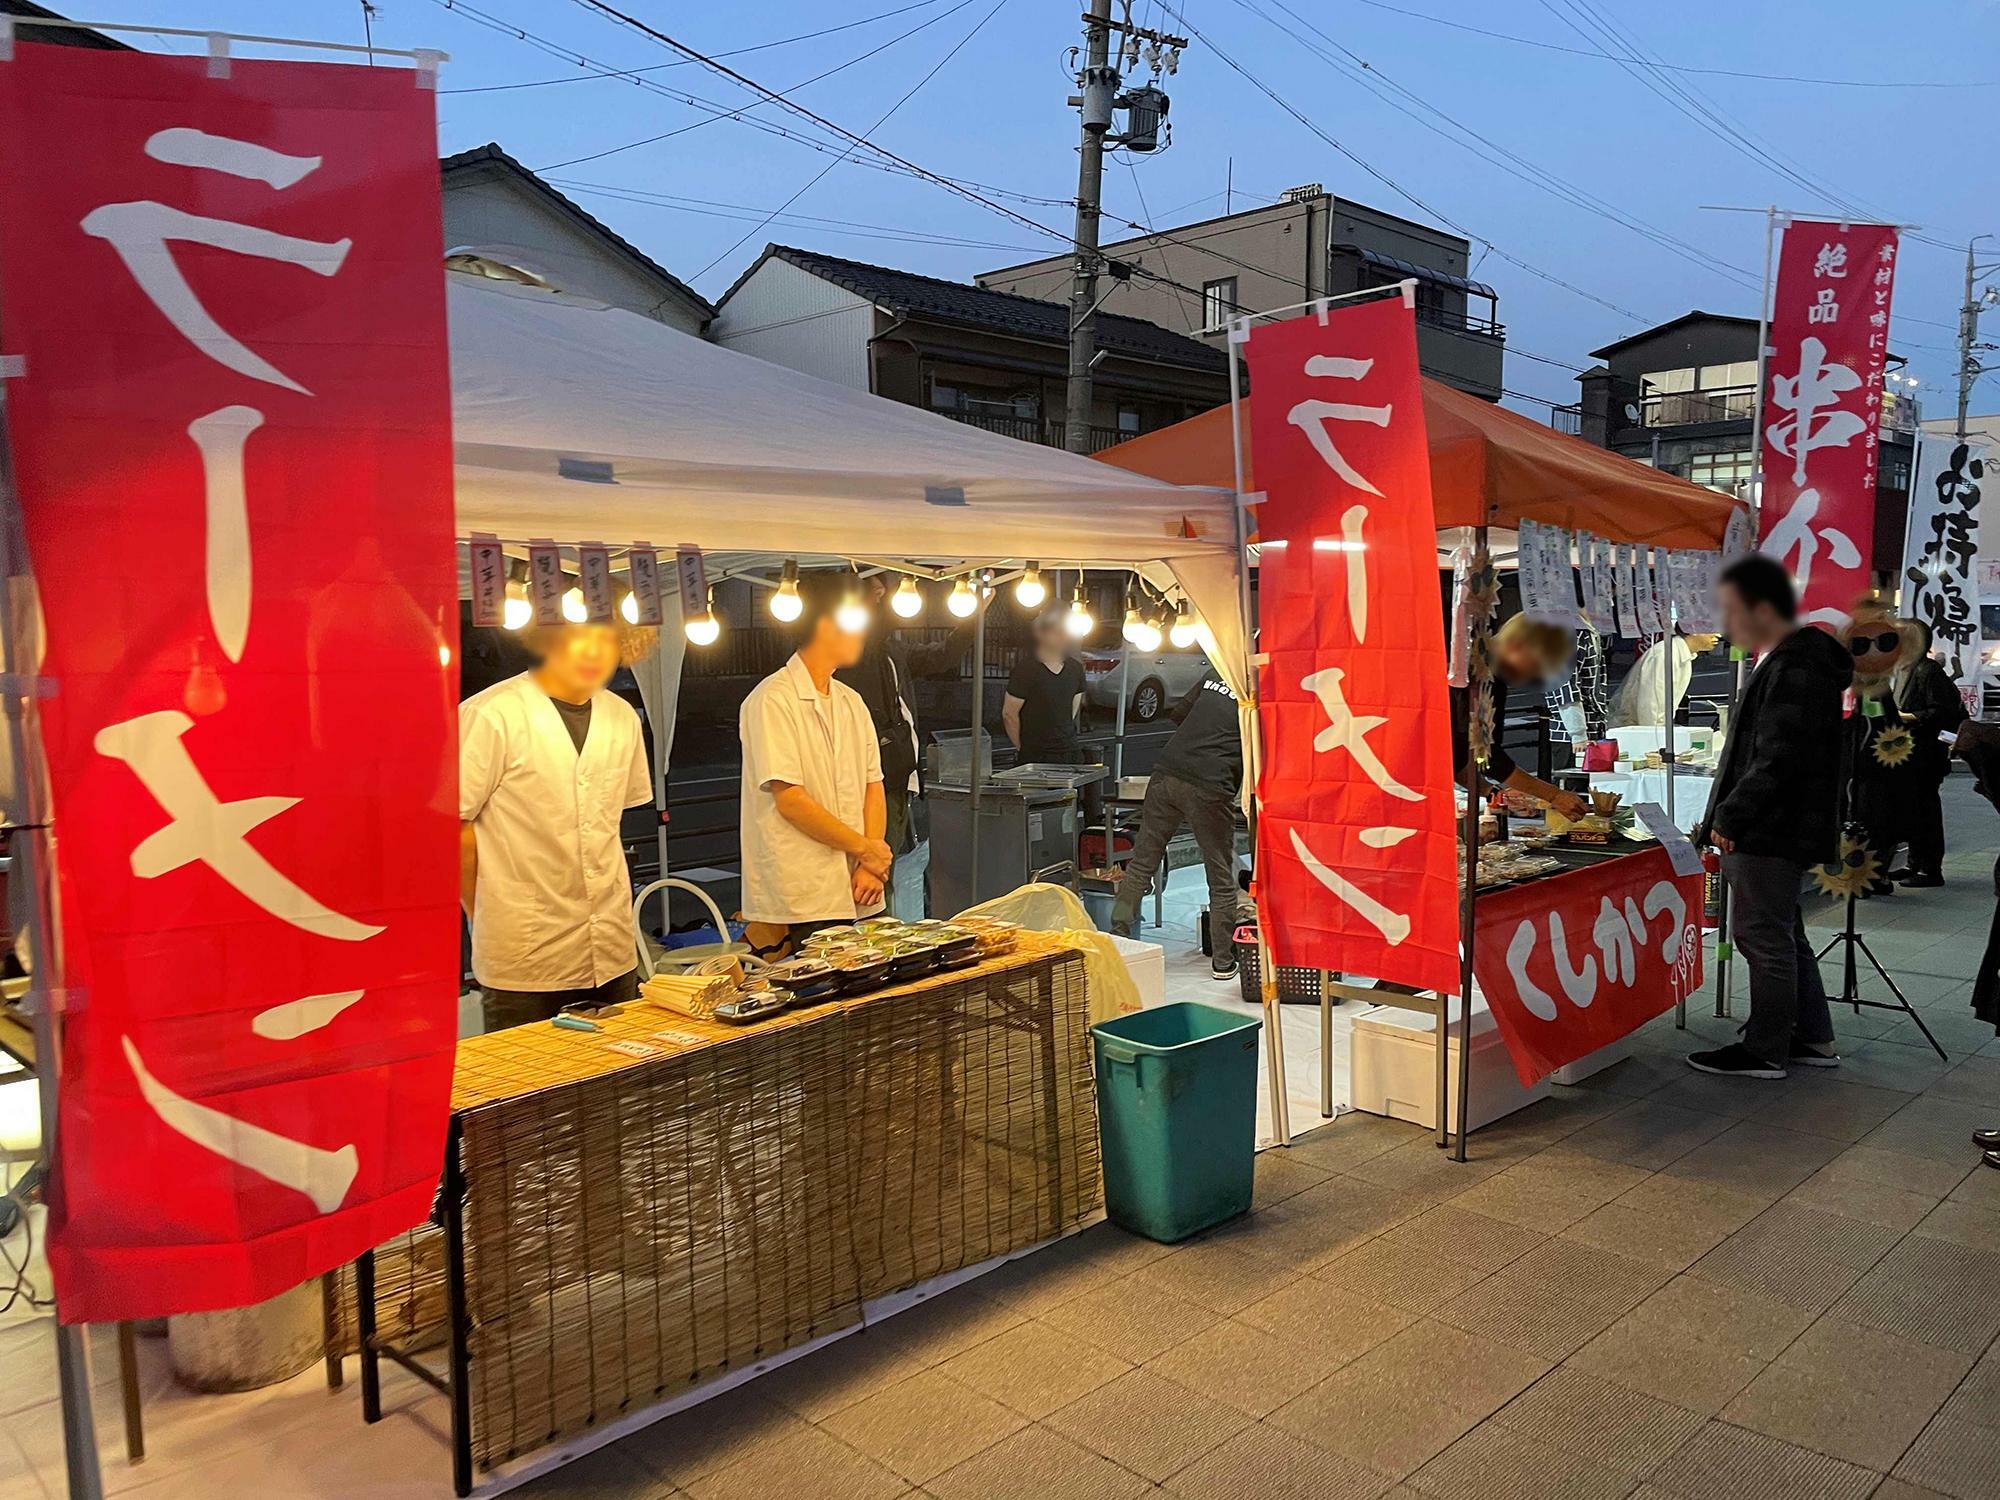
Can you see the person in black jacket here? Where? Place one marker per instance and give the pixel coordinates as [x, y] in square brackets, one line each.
[1773, 814]
[1930, 703]
[1195, 781]
[1978, 745]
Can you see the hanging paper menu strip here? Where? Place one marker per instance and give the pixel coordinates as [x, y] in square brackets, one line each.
[545, 581]
[593, 565]
[1645, 597]
[692, 575]
[1607, 588]
[489, 579]
[643, 563]
[1628, 595]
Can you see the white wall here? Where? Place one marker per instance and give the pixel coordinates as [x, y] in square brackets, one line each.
[512, 222]
[795, 319]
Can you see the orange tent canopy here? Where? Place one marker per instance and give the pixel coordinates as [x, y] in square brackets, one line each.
[1489, 466]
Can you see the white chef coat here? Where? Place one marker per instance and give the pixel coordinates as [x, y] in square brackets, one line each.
[552, 909]
[826, 744]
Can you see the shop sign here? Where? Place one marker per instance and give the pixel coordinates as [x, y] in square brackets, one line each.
[230, 431]
[1822, 409]
[1574, 962]
[487, 566]
[643, 565]
[1939, 550]
[593, 567]
[1356, 849]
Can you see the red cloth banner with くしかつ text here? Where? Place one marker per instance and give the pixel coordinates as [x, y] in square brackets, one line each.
[230, 432]
[1823, 409]
[1572, 963]
[1356, 853]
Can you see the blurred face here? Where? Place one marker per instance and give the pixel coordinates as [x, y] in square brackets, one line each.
[1051, 639]
[580, 660]
[1516, 661]
[840, 647]
[1750, 626]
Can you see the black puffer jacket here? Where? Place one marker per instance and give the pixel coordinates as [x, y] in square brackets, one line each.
[1777, 790]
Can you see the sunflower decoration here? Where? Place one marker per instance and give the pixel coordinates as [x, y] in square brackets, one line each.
[1482, 590]
[1853, 872]
[1894, 745]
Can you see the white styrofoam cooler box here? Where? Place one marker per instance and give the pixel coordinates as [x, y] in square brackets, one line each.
[1147, 964]
[1394, 1070]
[1594, 1062]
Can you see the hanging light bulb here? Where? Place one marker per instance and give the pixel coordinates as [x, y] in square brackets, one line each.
[1150, 635]
[962, 601]
[629, 607]
[1134, 628]
[1031, 592]
[786, 605]
[704, 629]
[851, 614]
[1079, 622]
[573, 609]
[517, 611]
[906, 601]
[1182, 632]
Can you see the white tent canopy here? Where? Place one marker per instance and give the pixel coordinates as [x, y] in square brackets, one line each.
[578, 421]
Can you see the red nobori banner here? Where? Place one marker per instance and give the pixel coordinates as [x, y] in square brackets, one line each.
[1574, 962]
[231, 436]
[1356, 866]
[1823, 409]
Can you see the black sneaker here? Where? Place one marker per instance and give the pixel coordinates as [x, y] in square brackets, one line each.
[1813, 1054]
[1222, 967]
[1925, 881]
[1734, 1061]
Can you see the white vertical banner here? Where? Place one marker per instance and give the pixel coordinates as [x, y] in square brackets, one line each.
[643, 565]
[1586, 574]
[488, 567]
[1628, 592]
[1527, 566]
[691, 573]
[593, 566]
[1940, 553]
[545, 580]
[1741, 538]
[1701, 613]
[1605, 573]
[1645, 596]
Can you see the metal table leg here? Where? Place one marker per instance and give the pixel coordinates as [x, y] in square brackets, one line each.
[329, 1317]
[364, 1326]
[459, 1315]
[128, 1385]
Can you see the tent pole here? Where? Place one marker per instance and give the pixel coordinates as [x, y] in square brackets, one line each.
[973, 778]
[1667, 706]
[1738, 677]
[1253, 758]
[34, 866]
[1467, 923]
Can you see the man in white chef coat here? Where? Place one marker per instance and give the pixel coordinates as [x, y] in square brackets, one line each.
[813, 810]
[547, 762]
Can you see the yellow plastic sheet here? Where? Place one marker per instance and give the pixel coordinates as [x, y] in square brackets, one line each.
[1053, 908]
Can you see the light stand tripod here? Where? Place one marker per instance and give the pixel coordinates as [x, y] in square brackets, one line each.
[1850, 941]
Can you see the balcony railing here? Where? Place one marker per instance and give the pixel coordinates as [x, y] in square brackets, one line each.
[1567, 419]
[1047, 431]
[1685, 408]
[1461, 322]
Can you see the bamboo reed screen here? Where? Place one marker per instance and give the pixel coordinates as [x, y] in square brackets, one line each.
[651, 1221]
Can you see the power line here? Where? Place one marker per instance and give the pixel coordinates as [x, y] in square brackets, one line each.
[908, 94]
[1667, 67]
[1382, 177]
[744, 213]
[804, 36]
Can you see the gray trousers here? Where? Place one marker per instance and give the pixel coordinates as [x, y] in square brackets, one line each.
[1787, 999]
[1170, 802]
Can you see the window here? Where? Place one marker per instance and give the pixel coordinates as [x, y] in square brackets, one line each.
[1704, 393]
[1128, 420]
[1218, 302]
[1720, 471]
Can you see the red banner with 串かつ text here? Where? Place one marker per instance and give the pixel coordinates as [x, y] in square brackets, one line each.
[230, 433]
[1356, 866]
[1572, 963]
[1823, 409]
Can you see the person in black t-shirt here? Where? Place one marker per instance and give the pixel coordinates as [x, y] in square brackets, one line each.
[1044, 695]
[1195, 781]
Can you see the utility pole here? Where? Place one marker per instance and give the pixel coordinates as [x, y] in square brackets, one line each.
[1969, 367]
[1097, 100]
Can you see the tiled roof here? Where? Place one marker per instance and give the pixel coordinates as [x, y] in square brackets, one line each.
[1001, 312]
[492, 153]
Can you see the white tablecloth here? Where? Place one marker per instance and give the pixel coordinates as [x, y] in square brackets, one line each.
[1690, 792]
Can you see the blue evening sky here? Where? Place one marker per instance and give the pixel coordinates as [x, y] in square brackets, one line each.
[993, 113]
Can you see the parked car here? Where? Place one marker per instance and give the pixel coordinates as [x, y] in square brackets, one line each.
[1159, 679]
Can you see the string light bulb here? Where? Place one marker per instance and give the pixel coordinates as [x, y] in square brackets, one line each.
[1182, 632]
[1079, 622]
[1031, 592]
[516, 612]
[786, 605]
[704, 629]
[1139, 629]
[851, 614]
[962, 602]
[573, 609]
[629, 607]
[906, 601]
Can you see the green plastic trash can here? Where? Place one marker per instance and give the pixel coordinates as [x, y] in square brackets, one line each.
[1177, 1111]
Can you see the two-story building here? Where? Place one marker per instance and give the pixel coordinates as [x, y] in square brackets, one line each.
[1309, 244]
[994, 359]
[1682, 396]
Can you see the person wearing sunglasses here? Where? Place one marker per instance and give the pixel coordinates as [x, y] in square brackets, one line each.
[1931, 705]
